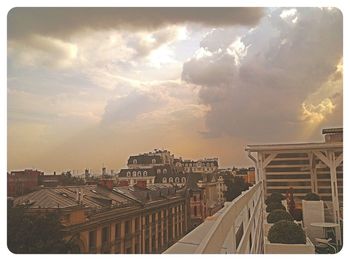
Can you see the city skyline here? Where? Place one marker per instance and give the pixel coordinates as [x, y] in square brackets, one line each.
[86, 92]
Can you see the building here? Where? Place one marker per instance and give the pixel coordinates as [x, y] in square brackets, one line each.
[206, 196]
[50, 180]
[22, 182]
[248, 174]
[118, 220]
[209, 165]
[239, 226]
[158, 166]
[151, 159]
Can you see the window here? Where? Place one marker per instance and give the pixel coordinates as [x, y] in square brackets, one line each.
[134, 161]
[159, 171]
[165, 171]
[164, 180]
[127, 227]
[128, 174]
[195, 211]
[153, 161]
[105, 235]
[171, 180]
[117, 231]
[134, 173]
[92, 240]
[139, 173]
[183, 180]
[177, 180]
[212, 164]
[145, 173]
[137, 224]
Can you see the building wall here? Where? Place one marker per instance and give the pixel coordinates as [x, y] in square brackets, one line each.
[22, 182]
[147, 231]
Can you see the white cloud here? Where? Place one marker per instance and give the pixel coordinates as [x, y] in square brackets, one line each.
[249, 90]
[315, 114]
[44, 51]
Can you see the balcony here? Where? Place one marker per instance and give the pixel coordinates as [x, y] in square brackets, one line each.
[236, 228]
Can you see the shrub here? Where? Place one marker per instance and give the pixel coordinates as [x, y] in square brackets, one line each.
[274, 205]
[274, 197]
[312, 197]
[286, 232]
[277, 215]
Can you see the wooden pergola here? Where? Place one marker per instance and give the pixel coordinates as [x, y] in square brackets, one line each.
[329, 153]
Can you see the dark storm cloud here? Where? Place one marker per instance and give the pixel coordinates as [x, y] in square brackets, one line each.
[257, 91]
[62, 22]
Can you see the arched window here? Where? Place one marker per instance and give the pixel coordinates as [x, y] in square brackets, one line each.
[183, 180]
[165, 171]
[159, 171]
[128, 174]
[171, 180]
[134, 173]
[145, 173]
[220, 178]
[164, 180]
[199, 164]
[139, 173]
[212, 164]
[134, 161]
[153, 161]
[177, 180]
[208, 165]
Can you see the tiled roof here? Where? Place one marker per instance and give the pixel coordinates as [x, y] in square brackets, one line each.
[145, 159]
[94, 196]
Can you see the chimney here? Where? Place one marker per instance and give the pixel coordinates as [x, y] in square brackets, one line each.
[107, 183]
[77, 197]
[81, 196]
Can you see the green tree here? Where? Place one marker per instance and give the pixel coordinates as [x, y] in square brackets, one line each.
[35, 234]
[235, 187]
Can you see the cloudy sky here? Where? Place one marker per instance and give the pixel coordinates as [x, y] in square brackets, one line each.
[88, 87]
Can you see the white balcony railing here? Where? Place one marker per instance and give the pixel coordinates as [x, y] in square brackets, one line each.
[236, 228]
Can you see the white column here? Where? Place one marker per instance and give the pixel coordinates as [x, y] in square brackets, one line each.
[334, 186]
[313, 173]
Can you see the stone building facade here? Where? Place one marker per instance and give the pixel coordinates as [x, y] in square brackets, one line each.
[123, 220]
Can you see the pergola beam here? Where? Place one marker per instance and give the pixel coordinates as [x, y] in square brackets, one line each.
[339, 160]
[269, 159]
[322, 157]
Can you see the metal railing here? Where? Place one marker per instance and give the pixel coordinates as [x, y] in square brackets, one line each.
[236, 228]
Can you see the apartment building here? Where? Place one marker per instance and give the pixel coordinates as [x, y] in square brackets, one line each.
[119, 220]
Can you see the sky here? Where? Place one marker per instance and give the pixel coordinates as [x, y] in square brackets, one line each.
[88, 87]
